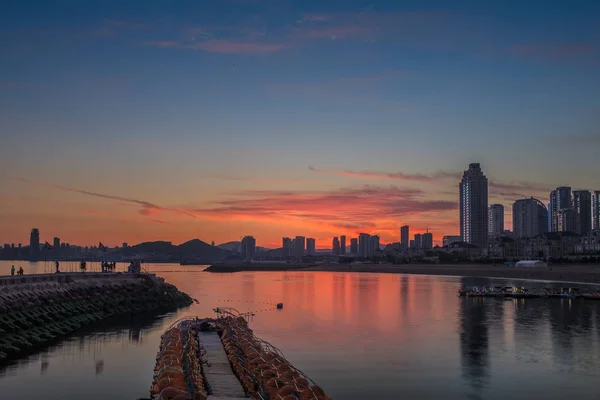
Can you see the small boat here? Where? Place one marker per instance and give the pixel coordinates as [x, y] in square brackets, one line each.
[279, 306]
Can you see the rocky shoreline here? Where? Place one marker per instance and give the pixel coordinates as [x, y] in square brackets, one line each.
[35, 314]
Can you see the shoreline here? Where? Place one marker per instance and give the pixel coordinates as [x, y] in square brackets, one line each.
[581, 274]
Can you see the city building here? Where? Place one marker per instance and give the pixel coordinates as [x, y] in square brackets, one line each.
[495, 219]
[286, 245]
[530, 218]
[596, 210]
[582, 211]
[404, 239]
[248, 248]
[335, 246]
[427, 241]
[34, 244]
[473, 191]
[311, 248]
[412, 244]
[560, 199]
[56, 245]
[124, 245]
[354, 246]
[418, 241]
[299, 245]
[446, 240]
[374, 244]
[565, 220]
[364, 244]
[343, 244]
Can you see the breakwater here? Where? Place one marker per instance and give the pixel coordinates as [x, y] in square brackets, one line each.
[36, 310]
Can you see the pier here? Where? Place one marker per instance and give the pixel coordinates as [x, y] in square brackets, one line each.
[217, 372]
[221, 358]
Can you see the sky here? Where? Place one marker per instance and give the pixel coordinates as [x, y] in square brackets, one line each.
[131, 121]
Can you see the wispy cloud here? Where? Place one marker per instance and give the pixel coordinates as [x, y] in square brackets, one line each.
[147, 209]
[557, 51]
[221, 46]
[390, 175]
[224, 177]
[350, 210]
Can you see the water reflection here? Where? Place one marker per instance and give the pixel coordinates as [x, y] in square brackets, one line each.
[475, 357]
[360, 335]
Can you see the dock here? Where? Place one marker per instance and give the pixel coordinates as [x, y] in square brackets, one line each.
[218, 374]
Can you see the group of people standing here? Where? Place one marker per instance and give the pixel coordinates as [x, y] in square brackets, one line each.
[19, 272]
[109, 266]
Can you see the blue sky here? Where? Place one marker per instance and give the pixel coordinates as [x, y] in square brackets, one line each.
[182, 103]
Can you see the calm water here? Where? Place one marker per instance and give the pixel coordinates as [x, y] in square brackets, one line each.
[360, 336]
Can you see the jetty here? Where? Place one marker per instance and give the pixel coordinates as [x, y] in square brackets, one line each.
[220, 358]
[525, 293]
[36, 310]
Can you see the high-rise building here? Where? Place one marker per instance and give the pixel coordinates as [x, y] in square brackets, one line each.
[566, 220]
[343, 244]
[34, 244]
[404, 240]
[495, 219]
[596, 210]
[530, 218]
[418, 241]
[286, 245]
[56, 245]
[311, 248]
[447, 240]
[373, 244]
[560, 199]
[335, 246]
[248, 247]
[427, 241]
[473, 190]
[582, 211]
[364, 243]
[412, 244]
[354, 246]
[299, 246]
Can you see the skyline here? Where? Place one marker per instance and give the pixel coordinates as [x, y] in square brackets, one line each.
[276, 119]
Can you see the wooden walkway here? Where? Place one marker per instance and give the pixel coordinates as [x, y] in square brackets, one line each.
[223, 383]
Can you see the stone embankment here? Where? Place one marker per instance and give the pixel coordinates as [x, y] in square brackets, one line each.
[38, 309]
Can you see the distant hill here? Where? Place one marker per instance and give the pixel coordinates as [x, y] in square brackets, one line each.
[237, 246]
[193, 250]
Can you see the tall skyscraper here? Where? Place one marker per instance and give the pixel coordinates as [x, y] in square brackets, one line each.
[311, 248]
[566, 220]
[373, 244]
[495, 219]
[56, 245]
[335, 246]
[473, 190]
[354, 246]
[427, 241]
[530, 218]
[286, 245]
[582, 211]
[404, 239]
[560, 199]
[418, 241]
[34, 245]
[343, 244]
[596, 210]
[299, 246]
[248, 247]
[364, 243]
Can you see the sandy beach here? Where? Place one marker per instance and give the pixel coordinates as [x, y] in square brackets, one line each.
[589, 273]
